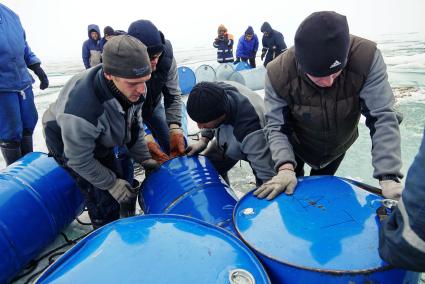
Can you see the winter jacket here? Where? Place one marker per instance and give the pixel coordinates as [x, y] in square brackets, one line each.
[247, 49]
[87, 121]
[92, 50]
[273, 44]
[241, 135]
[402, 236]
[320, 124]
[224, 48]
[164, 82]
[15, 54]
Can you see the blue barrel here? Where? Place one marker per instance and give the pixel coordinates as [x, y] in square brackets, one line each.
[205, 73]
[38, 199]
[187, 79]
[158, 249]
[252, 78]
[224, 70]
[189, 186]
[242, 66]
[327, 232]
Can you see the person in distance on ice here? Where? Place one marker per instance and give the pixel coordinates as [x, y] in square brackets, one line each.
[224, 44]
[97, 111]
[92, 47]
[231, 119]
[315, 93]
[273, 43]
[247, 47]
[18, 114]
[163, 119]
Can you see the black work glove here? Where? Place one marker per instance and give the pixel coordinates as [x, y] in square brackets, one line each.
[150, 165]
[44, 81]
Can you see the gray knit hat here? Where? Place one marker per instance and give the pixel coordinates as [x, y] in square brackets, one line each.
[126, 57]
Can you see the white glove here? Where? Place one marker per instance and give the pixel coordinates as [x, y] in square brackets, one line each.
[391, 189]
[197, 147]
[285, 180]
[122, 191]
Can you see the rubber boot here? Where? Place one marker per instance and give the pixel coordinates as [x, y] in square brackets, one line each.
[26, 144]
[11, 152]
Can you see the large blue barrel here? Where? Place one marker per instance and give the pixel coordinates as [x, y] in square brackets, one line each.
[187, 79]
[252, 78]
[327, 232]
[189, 186]
[224, 70]
[38, 199]
[205, 73]
[242, 66]
[157, 249]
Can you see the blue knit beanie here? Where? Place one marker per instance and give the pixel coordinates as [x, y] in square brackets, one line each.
[147, 33]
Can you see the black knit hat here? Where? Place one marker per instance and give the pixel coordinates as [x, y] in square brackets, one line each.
[108, 31]
[322, 42]
[146, 32]
[126, 57]
[207, 101]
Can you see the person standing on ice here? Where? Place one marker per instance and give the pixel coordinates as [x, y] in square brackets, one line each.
[315, 93]
[162, 118]
[97, 111]
[92, 47]
[273, 43]
[224, 44]
[18, 114]
[231, 119]
[247, 47]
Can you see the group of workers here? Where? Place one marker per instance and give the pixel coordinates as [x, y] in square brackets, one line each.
[273, 45]
[315, 93]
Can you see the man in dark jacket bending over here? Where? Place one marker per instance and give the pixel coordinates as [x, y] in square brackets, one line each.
[233, 115]
[315, 93]
[163, 119]
[97, 111]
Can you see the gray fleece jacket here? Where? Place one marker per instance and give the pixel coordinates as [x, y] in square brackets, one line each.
[241, 135]
[87, 121]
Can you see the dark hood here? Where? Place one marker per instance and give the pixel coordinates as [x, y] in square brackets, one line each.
[266, 28]
[93, 27]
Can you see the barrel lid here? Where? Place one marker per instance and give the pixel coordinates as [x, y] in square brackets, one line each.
[328, 224]
[158, 249]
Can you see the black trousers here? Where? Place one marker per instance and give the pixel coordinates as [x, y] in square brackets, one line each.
[329, 170]
[101, 206]
[251, 61]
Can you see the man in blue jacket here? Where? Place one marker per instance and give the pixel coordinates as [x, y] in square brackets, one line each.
[402, 238]
[92, 48]
[18, 115]
[247, 47]
[273, 43]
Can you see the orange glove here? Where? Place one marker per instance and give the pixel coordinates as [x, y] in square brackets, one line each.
[155, 150]
[177, 145]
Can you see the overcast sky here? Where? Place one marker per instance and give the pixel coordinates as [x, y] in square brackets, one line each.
[57, 28]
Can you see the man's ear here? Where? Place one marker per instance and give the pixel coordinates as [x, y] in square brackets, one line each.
[107, 76]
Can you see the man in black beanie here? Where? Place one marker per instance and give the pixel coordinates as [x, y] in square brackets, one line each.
[314, 95]
[96, 112]
[162, 119]
[232, 116]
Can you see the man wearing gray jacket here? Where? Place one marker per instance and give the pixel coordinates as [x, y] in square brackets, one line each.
[233, 115]
[97, 111]
[315, 93]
